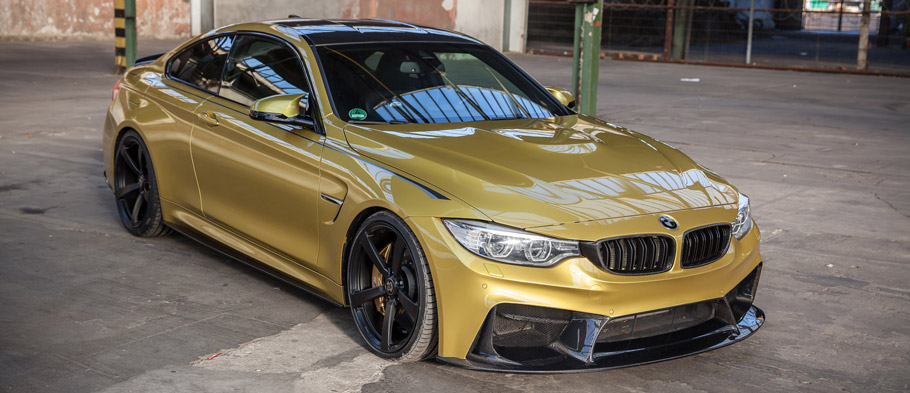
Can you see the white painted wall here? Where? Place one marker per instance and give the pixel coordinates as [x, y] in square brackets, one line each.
[518, 32]
[202, 16]
[481, 19]
[485, 20]
[236, 11]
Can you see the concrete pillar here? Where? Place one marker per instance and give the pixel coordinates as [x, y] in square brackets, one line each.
[202, 16]
[515, 26]
[862, 53]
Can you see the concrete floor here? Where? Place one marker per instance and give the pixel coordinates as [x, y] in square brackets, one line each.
[86, 307]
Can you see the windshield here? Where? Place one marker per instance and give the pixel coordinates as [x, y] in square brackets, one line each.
[430, 83]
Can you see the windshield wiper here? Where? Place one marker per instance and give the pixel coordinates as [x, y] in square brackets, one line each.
[455, 87]
[464, 95]
[509, 93]
[378, 122]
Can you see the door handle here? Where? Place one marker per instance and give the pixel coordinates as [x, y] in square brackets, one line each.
[209, 118]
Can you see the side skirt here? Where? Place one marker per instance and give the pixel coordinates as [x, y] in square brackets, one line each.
[208, 234]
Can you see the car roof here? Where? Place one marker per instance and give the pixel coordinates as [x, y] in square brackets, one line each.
[345, 31]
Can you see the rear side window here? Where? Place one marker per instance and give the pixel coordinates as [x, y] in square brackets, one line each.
[260, 67]
[201, 65]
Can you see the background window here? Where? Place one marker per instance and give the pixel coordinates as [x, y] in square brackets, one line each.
[201, 64]
[259, 68]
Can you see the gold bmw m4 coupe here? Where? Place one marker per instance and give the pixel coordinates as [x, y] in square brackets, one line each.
[459, 208]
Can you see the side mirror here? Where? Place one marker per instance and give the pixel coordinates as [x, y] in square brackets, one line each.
[283, 108]
[564, 96]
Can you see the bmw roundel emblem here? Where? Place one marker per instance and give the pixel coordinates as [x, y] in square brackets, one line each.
[668, 222]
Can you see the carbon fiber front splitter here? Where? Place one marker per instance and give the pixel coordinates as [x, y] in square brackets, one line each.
[721, 337]
[528, 339]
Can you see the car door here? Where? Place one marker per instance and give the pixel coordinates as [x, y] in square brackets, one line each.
[259, 179]
[169, 113]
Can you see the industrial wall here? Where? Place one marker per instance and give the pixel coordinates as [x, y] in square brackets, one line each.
[500, 23]
[483, 19]
[89, 19]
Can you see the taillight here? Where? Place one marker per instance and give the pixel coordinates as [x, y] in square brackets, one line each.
[115, 90]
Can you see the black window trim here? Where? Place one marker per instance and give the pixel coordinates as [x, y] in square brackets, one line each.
[313, 100]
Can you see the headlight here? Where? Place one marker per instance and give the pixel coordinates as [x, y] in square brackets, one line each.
[504, 244]
[743, 222]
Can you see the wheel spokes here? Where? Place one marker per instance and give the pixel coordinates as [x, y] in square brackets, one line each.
[397, 256]
[123, 191]
[366, 242]
[382, 273]
[411, 309]
[141, 160]
[406, 324]
[359, 298]
[387, 321]
[134, 216]
[130, 162]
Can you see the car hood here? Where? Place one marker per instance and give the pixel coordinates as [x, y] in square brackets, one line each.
[537, 172]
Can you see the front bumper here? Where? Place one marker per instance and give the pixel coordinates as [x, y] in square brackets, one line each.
[469, 289]
[528, 339]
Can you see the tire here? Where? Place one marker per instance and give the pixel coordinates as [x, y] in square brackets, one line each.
[136, 188]
[390, 290]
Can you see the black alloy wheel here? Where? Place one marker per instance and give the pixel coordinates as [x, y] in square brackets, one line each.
[136, 188]
[390, 290]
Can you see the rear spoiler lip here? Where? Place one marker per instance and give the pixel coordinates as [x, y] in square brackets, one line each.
[147, 59]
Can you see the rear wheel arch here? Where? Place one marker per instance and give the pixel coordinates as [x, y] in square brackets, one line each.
[135, 184]
[118, 134]
[123, 130]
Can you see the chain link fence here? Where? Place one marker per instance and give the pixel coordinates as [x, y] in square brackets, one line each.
[797, 34]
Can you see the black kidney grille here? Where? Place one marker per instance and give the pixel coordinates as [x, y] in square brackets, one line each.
[705, 245]
[637, 254]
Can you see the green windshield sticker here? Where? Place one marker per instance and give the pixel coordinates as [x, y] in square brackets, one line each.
[357, 114]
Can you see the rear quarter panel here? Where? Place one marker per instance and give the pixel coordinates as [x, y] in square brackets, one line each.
[162, 112]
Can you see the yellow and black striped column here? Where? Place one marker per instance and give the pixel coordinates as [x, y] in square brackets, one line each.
[124, 34]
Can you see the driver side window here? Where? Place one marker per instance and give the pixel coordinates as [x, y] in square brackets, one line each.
[260, 67]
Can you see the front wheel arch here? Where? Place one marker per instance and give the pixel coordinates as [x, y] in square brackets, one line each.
[388, 272]
[349, 238]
